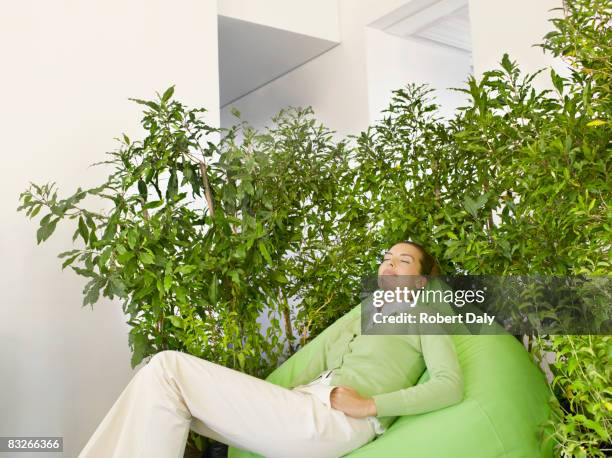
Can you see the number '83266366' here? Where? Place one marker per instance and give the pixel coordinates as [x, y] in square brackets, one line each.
[15, 444]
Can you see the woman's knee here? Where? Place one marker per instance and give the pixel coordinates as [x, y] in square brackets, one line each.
[164, 359]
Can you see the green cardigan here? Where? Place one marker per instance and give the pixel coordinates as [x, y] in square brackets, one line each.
[387, 368]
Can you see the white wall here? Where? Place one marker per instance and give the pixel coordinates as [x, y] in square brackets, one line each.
[334, 84]
[513, 27]
[392, 62]
[68, 68]
[317, 18]
[346, 86]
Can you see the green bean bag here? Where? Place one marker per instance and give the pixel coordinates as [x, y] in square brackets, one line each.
[505, 400]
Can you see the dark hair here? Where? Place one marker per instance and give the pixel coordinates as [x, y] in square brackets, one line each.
[429, 265]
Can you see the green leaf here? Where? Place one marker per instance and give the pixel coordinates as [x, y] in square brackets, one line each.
[167, 282]
[132, 238]
[481, 200]
[109, 232]
[140, 346]
[146, 291]
[118, 287]
[557, 80]
[264, 251]
[45, 219]
[472, 206]
[186, 269]
[44, 232]
[212, 289]
[69, 261]
[104, 257]
[595, 427]
[125, 257]
[146, 257]
[83, 229]
[187, 171]
[469, 205]
[153, 204]
[93, 294]
[506, 64]
[239, 252]
[68, 253]
[142, 190]
[160, 286]
[181, 295]
[167, 94]
[84, 272]
[176, 321]
[279, 277]
[172, 185]
[234, 275]
[90, 222]
[148, 103]
[35, 211]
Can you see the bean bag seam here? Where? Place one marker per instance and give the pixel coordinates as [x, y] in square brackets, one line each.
[493, 427]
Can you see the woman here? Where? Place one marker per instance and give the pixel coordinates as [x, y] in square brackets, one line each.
[360, 390]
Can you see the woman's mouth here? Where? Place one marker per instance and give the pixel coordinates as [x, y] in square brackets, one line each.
[388, 272]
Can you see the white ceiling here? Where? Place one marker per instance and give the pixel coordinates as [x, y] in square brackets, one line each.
[251, 55]
[444, 22]
[451, 30]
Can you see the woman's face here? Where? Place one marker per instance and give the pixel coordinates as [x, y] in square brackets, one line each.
[401, 266]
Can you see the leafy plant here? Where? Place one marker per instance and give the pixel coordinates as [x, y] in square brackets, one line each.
[197, 278]
[516, 183]
[582, 373]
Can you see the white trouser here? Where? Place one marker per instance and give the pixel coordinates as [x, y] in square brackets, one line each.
[176, 392]
[321, 387]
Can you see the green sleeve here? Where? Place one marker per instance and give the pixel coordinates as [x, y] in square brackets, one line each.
[444, 387]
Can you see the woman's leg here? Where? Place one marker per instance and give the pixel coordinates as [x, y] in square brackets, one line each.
[177, 392]
[148, 415]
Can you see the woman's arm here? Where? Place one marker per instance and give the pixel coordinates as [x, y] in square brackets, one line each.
[444, 388]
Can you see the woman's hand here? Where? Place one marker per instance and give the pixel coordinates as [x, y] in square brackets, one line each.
[349, 401]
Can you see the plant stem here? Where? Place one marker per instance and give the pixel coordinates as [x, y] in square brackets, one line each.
[207, 192]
